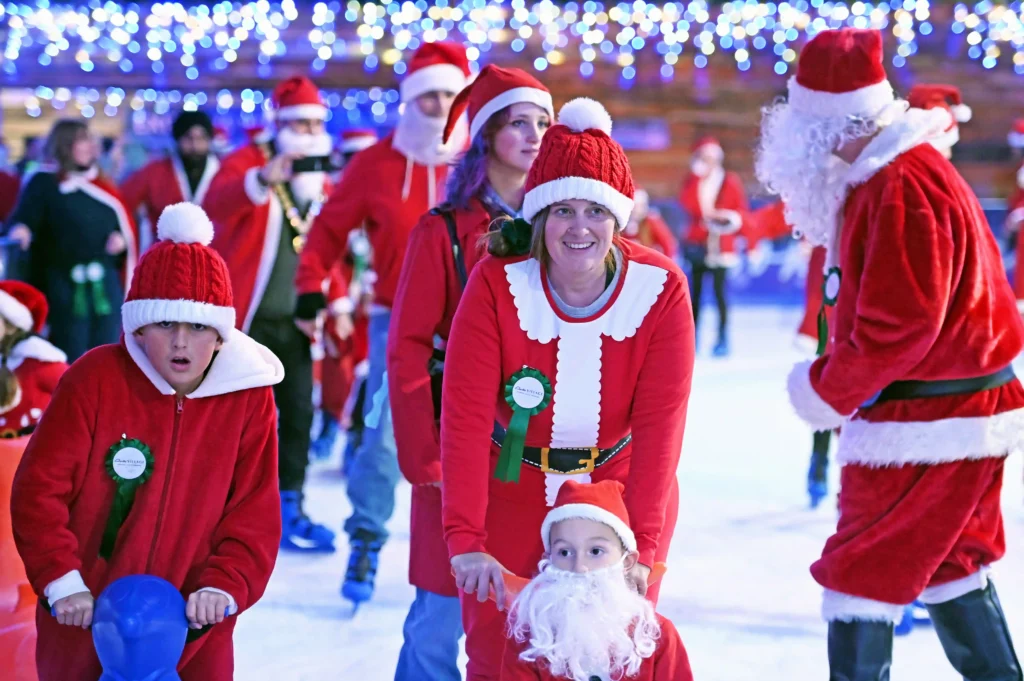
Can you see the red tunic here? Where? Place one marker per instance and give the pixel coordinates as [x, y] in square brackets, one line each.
[655, 234]
[428, 293]
[721, 191]
[370, 194]
[669, 662]
[38, 366]
[209, 516]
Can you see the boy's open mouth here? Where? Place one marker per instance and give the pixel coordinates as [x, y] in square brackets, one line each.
[181, 362]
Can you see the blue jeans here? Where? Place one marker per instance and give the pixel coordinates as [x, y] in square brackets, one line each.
[374, 470]
[432, 631]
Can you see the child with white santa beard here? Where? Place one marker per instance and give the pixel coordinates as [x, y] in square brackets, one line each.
[579, 619]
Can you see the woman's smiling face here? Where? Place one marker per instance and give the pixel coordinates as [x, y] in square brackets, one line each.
[578, 235]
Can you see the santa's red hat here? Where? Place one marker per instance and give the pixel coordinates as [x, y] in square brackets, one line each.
[435, 66]
[1016, 136]
[707, 142]
[840, 74]
[297, 98]
[181, 279]
[356, 140]
[23, 305]
[494, 89]
[578, 159]
[946, 97]
[602, 502]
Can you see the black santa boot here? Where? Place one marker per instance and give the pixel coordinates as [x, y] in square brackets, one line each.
[859, 650]
[973, 632]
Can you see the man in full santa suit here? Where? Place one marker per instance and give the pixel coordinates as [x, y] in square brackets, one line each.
[1015, 207]
[183, 175]
[262, 210]
[715, 203]
[385, 190]
[919, 374]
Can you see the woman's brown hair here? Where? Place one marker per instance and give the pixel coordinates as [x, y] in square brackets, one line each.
[8, 381]
[60, 141]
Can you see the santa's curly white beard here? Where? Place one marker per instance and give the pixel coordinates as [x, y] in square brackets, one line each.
[306, 187]
[584, 624]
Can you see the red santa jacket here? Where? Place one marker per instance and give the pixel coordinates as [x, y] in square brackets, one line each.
[721, 190]
[159, 184]
[507, 320]
[209, 516]
[37, 366]
[10, 185]
[370, 194]
[923, 297]
[669, 662]
[1014, 222]
[248, 219]
[655, 234]
[427, 296]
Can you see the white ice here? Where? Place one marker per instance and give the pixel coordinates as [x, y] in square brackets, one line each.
[738, 586]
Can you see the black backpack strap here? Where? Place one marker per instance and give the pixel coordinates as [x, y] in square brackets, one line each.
[460, 262]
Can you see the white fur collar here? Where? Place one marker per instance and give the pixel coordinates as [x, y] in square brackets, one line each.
[906, 132]
[242, 363]
[35, 347]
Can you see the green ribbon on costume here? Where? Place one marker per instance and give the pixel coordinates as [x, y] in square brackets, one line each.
[129, 465]
[80, 297]
[528, 392]
[88, 281]
[830, 294]
[518, 234]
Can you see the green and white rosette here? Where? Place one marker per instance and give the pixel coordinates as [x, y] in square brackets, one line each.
[528, 393]
[129, 465]
[830, 289]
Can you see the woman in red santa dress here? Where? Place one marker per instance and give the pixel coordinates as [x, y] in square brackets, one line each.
[509, 112]
[570, 356]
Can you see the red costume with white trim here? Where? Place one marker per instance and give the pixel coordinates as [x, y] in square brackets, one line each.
[720, 190]
[1014, 222]
[656, 235]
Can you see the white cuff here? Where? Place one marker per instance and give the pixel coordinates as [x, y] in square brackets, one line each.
[1014, 219]
[806, 402]
[232, 606]
[949, 591]
[340, 306]
[840, 607]
[734, 219]
[256, 192]
[68, 585]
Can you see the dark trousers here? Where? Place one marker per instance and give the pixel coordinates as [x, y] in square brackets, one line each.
[77, 335]
[294, 396]
[698, 268]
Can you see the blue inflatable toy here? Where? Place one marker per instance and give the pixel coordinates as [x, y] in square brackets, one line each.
[139, 629]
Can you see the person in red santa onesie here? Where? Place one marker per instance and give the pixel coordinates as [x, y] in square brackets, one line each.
[263, 204]
[509, 112]
[1015, 208]
[385, 191]
[580, 619]
[30, 366]
[563, 284]
[715, 204]
[919, 374]
[183, 175]
[946, 98]
[177, 420]
[646, 227]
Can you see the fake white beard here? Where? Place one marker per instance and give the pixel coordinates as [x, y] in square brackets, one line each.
[306, 187]
[581, 625]
[700, 167]
[419, 137]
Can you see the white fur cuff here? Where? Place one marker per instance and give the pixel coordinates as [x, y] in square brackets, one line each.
[943, 593]
[256, 192]
[807, 403]
[68, 585]
[840, 607]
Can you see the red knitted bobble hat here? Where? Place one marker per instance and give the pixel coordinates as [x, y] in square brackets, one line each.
[578, 159]
[600, 501]
[23, 305]
[181, 279]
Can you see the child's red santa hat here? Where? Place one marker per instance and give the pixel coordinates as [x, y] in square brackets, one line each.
[181, 279]
[23, 305]
[578, 159]
[945, 97]
[297, 98]
[441, 66]
[708, 142]
[494, 89]
[601, 501]
[356, 140]
[1016, 136]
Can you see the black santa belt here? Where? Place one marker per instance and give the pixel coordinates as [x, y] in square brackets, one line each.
[913, 390]
[564, 460]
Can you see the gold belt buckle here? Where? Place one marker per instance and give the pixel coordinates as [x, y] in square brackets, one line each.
[588, 463]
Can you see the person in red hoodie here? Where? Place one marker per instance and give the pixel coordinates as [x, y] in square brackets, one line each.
[177, 422]
[30, 366]
[716, 204]
[384, 190]
[509, 112]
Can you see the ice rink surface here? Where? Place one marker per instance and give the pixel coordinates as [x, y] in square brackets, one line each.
[738, 586]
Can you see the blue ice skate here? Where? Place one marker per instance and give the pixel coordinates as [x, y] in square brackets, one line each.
[906, 623]
[323, 445]
[721, 348]
[362, 567]
[817, 474]
[299, 533]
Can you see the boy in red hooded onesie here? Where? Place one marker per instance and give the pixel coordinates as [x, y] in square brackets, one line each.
[919, 373]
[385, 190]
[263, 211]
[177, 420]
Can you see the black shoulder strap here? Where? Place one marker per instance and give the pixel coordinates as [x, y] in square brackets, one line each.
[460, 263]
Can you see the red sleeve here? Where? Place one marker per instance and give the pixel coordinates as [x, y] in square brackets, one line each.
[135, 191]
[659, 417]
[246, 540]
[662, 235]
[514, 669]
[901, 300]
[671, 662]
[49, 376]
[472, 381]
[49, 477]
[419, 308]
[234, 189]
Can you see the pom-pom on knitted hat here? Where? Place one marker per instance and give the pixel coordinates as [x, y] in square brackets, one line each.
[601, 501]
[181, 279]
[23, 305]
[578, 159]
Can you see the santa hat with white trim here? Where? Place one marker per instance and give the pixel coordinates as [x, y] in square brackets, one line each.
[601, 501]
[578, 159]
[23, 306]
[841, 74]
[441, 66]
[708, 142]
[1016, 136]
[494, 89]
[297, 98]
[945, 97]
[181, 279]
[357, 140]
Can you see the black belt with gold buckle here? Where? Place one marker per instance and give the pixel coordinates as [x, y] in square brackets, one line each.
[563, 460]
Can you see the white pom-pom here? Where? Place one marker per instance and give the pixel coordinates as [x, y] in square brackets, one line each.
[184, 223]
[585, 114]
[962, 113]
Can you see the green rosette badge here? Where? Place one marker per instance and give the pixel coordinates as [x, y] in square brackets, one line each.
[129, 465]
[528, 393]
[830, 291]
